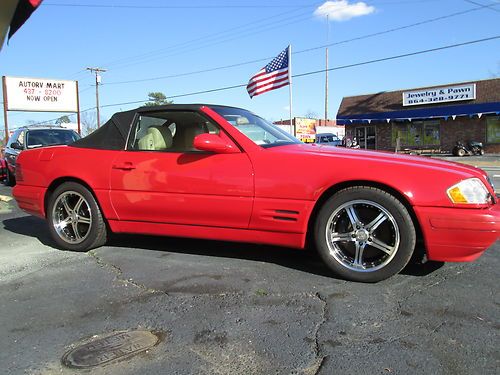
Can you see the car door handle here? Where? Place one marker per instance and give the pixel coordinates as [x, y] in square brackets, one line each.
[126, 166]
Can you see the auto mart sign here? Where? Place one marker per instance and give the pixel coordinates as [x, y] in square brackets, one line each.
[305, 129]
[40, 95]
[440, 95]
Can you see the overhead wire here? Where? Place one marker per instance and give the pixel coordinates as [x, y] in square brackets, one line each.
[188, 45]
[258, 26]
[205, 6]
[486, 6]
[366, 36]
[192, 7]
[394, 57]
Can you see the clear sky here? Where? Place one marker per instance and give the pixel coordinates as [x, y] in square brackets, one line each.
[147, 40]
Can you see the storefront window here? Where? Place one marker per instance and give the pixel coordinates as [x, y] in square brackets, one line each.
[401, 131]
[431, 133]
[416, 133]
[493, 129]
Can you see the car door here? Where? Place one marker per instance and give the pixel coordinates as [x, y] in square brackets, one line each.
[161, 178]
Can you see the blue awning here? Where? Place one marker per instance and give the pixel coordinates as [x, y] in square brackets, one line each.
[423, 113]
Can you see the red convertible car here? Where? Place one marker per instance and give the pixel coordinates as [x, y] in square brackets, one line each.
[216, 172]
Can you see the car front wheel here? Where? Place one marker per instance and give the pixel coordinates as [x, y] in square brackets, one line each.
[364, 234]
[75, 219]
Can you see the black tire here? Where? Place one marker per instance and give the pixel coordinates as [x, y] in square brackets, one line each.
[10, 180]
[461, 152]
[481, 151]
[84, 227]
[357, 246]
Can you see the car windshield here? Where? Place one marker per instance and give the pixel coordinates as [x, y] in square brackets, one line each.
[328, 138]
[256, 128]
[50, 137]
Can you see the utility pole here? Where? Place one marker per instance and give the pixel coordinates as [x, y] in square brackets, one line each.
[97, 82]
[326, 87]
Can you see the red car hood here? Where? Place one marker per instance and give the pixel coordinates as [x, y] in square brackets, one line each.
[382, 156]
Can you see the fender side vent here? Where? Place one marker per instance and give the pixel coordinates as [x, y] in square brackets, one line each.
[287, 212]
[284, 218]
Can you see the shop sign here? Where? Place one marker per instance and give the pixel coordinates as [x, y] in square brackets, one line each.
[41, 95]
[305, 129]
[440, 94]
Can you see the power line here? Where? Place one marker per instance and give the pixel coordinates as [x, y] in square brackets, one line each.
[188, 73]
[486, 6]
[191, 7]
[402, 55]
[184, 45]
[400, 28]
[421, 52]
[213, 6]
[330, 69]
[218, 41]
[190, 44]
[305, 50]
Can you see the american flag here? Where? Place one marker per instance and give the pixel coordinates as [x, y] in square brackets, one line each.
[271, 77]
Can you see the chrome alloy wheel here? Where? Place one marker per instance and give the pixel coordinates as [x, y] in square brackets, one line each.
[72, 217]
[362, 236]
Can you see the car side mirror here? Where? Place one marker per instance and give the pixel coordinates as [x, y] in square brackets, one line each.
[214, 143]
[16, 146]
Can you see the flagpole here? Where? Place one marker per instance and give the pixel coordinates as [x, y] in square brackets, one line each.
[292, 124]
[326, 70]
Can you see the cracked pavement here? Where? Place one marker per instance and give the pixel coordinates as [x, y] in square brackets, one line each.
[226, 308]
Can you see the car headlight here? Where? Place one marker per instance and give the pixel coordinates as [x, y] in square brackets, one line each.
[470, 191]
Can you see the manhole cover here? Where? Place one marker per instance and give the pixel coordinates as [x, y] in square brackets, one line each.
[103, 349]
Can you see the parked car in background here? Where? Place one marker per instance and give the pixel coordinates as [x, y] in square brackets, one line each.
[28, 137]
[224, 173]
[3, 169]
[328, 139]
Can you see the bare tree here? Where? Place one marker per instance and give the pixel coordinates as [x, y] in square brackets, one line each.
[497, 73]
[311, 114]
[89, 122]
[63, 120]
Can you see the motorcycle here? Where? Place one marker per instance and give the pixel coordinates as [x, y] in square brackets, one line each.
[347, 142]
[472, 148]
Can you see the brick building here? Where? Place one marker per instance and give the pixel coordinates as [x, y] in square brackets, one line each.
[429, 118]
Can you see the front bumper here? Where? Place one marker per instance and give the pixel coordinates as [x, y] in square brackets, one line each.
[458, 235]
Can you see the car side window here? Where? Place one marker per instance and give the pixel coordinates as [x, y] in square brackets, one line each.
[17, 137]
[12, 139]
[169, 131]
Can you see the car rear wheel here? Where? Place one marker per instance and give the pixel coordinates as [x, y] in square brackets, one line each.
[75, 219]
[364, 234]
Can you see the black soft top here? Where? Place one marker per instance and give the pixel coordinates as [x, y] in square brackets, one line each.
[113, 134]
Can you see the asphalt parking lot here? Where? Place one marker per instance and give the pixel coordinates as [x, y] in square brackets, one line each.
[226, 308]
